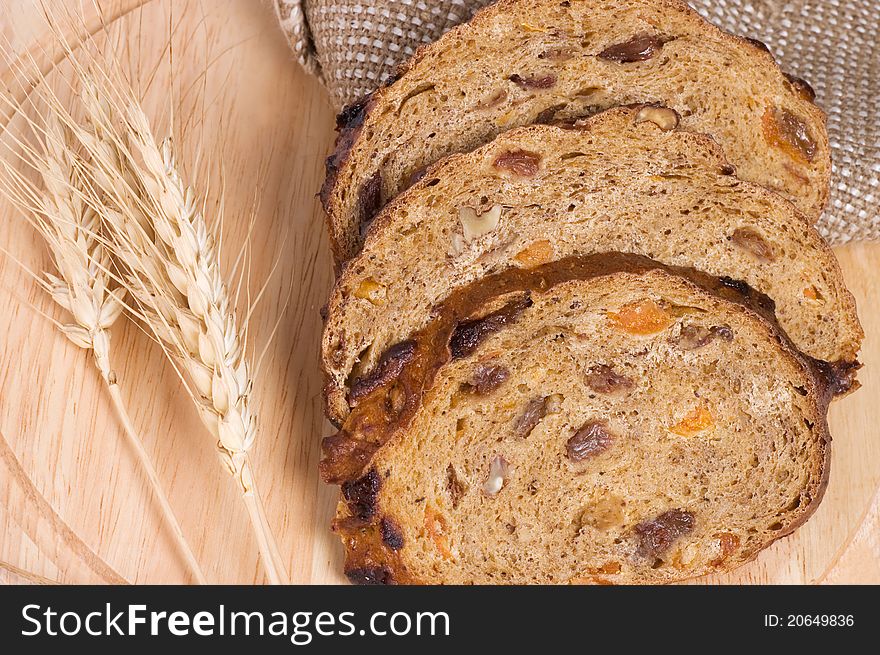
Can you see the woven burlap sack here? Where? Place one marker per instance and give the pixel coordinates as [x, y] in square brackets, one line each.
[354, 45]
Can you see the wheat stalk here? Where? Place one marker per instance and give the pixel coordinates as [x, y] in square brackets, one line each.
[81, 283]
[169, 264]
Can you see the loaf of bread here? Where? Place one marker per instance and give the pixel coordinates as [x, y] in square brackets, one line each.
[624, 180]
[602, 419]
[519, 62]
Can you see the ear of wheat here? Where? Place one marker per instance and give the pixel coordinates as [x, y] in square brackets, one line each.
[169, 264]
[81, 283]
[164, 256]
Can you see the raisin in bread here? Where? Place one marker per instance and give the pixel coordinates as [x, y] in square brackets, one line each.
[520, 62]
[620, 182]
[602, 419]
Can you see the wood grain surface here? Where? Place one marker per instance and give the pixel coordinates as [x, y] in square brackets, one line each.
[76, 509]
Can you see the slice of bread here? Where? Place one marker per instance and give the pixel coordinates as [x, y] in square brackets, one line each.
[619, 183]
[601, 420]
[520, 62]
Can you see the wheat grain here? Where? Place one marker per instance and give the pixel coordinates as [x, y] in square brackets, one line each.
[70, 229]
[82, 284]
[170, 266]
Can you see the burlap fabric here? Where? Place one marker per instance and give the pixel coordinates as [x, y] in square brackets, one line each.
[354, 45]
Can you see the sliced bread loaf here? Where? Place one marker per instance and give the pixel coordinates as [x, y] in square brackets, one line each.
[601, 420]
[626, 180]
[520, 62]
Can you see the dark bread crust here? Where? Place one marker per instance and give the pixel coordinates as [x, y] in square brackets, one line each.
[370, 560]
[348, 126]
[351, 119]
[348, 454]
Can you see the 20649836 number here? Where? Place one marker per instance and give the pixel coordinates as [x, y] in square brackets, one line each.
[809, 620]
[821, 620]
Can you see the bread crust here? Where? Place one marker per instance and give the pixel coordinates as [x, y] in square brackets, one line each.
[348, 126]
[346, 237]
[349, 455]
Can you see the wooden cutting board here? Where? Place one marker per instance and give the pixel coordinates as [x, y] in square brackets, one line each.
[267, 126]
